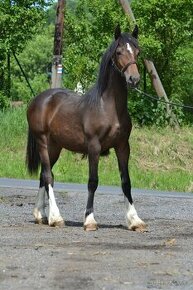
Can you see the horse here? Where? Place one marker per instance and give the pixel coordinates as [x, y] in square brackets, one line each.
[91, 124]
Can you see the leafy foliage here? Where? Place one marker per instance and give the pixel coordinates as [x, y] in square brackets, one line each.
[165, 35]
[4, 102]
[36, 61]
[89, 30]
[20, 20]
[166, 30]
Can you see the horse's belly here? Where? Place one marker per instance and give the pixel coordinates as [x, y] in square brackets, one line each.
[73, 141]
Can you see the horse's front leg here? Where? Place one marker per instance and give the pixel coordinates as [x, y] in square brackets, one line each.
[93, 158]
[133, 221]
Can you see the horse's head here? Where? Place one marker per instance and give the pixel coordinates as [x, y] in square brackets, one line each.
[125, 56]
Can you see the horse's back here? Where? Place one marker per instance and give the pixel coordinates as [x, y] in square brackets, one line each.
[41, 101]
[57, 113]
[47, 104]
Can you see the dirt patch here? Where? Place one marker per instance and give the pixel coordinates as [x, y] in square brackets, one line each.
[37, 256]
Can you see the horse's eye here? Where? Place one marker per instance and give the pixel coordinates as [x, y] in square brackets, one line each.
[118, 53]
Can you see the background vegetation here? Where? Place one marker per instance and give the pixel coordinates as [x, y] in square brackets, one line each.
[161, 156]
[166, 29]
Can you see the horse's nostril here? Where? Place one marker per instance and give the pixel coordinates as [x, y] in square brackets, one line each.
[133, 81]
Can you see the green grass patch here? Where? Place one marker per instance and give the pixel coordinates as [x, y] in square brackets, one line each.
[161, 158]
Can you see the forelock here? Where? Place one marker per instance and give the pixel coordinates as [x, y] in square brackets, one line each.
[128, 38]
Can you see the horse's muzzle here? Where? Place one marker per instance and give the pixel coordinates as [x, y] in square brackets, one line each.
[133, 81]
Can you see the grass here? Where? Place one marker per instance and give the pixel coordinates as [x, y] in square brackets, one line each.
[161, 158]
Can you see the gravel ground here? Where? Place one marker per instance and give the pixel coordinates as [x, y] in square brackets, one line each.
[39, 257]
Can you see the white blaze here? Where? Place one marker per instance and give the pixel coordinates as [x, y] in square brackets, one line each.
[129, 48]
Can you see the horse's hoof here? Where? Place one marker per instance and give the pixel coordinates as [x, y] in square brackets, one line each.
[90, 227]
[57, 223]
[40, 216]
[140, 228]
[42, 221]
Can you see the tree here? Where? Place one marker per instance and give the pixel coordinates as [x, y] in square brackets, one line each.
[166, 27]
[36, 60]
[165, 31]
[89, 29]
[20, 20]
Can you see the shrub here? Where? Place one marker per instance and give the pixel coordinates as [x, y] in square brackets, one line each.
[4, 101]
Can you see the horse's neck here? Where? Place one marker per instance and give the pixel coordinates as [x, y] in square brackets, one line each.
[116, 92]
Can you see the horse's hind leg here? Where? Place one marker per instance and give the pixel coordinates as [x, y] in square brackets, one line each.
[134, 222]
[93, 157]
[46, 185]
[40, 205]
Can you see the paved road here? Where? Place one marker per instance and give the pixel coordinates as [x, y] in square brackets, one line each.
[71, 187]
[34, 256]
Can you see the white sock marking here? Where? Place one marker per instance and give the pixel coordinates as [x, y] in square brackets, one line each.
[54, 213]
[90, 219]
[39, 210]
[132, 216]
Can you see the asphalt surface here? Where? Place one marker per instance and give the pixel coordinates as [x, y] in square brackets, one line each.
[40, 257]
[71, 187]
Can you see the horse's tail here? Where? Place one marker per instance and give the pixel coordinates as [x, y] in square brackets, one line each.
[32, 154]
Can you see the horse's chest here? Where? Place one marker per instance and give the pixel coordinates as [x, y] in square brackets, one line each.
[112, 134]
[114, 130]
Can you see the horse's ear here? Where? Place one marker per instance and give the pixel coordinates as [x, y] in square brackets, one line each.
[135, 32]
[117, 32]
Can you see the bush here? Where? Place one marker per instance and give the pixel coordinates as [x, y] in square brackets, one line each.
[4, 101]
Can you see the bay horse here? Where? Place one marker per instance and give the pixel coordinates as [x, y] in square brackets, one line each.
[90, 124]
